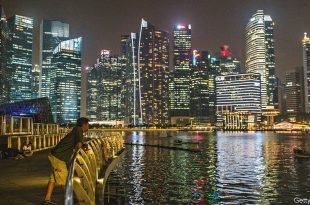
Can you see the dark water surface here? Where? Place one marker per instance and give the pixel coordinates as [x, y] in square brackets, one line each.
[233, 168]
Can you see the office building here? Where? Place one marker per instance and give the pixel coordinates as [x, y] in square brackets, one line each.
[260, 54]
[306, 71]
[36, 85]
[294, 93]
[153, 74]
[4, 37]
[202, 100]
[51, 34]
[229, 65]
[104, 89]
[130, 90]
[65, 81]
[182, 59]
[19, 57]
[238, 93]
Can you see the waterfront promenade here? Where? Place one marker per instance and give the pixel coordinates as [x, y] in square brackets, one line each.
[23, 181]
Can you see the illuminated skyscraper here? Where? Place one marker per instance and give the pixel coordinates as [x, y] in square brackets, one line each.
[153, 74]
[182, 49]
[51, 34]
[294, 93]
[4, 37]
[65, 81]
[306, 72]
[109, 87]
[93, 78]
[202, 101]
[228, 64]
[260, 54]
[130, 91]
[238, 93]
[104, 89]
[19, 56]
[36, 73]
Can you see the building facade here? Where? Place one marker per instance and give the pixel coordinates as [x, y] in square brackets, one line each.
[294, 93]
[260, 54]
[4, 37]
[36, 85]
[130, 91]
[65, 81]
[153, 74]
[182, 59]
[19, 57]
[104, 89]
[202, 98]
[238, 93]
[306, 72]
[229, 65]
[51, 34]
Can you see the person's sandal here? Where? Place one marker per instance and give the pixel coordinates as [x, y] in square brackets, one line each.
[48, 202]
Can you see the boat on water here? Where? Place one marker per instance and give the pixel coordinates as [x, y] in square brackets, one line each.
[301, 153]
[178, 142]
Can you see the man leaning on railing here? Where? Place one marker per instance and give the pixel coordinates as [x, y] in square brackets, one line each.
[60, 156]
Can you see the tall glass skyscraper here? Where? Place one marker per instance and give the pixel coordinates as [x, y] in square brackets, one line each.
[130, 91]
[153, 74]
[93, 78]
[36, 73]
[202, 101]
[65, 81]
[109, 87]
[306, 72]
[51, 34]
[4, 37]
[260, 54]
[182, 49]
[104, 89]
[294, 93]
[19, 56]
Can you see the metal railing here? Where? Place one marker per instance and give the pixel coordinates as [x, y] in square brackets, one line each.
[15, 131]
[84, 176]
[39, 142]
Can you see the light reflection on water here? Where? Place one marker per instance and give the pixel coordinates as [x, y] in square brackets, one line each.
[241, 168]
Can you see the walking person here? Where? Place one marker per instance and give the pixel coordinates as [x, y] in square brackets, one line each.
[60, 157]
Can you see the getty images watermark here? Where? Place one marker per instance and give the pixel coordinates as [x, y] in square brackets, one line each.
[298, 200]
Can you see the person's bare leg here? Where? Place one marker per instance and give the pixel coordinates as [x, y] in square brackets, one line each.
[49, 192]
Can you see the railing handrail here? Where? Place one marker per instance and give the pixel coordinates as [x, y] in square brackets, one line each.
[92, 163]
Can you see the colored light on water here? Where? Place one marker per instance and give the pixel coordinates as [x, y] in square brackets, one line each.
[198, 137]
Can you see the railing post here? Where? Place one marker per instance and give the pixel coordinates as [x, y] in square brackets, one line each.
[18, 143]
[40, 141]
[20, 124]
[44, 140]
[34, 142]
[12, 125]
[9, 142]
[3, 125]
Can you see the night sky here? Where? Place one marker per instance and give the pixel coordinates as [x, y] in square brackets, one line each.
[214, 23]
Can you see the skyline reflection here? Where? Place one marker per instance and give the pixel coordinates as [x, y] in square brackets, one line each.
[246, 168]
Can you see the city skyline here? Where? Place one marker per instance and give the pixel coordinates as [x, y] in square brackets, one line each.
[252, 38]
[203, 15]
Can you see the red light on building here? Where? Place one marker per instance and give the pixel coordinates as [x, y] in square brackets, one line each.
[225, 52]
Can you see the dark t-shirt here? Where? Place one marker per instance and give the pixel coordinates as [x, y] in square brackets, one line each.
[64, 149]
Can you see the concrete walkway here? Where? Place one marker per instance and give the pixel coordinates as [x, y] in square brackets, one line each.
[23, 181]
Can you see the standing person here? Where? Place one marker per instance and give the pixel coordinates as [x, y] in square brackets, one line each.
[60, 156]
